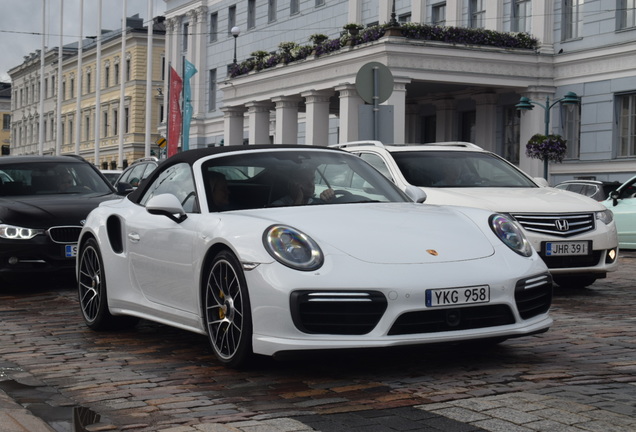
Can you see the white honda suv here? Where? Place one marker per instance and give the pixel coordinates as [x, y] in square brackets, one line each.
[575, 235]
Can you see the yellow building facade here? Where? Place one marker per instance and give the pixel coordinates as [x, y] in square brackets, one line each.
[120, 129]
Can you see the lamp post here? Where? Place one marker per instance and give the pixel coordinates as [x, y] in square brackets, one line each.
[526, 104]
[235, 33]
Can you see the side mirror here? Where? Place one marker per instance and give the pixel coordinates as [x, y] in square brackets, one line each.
[124, 188]
[614, 196]
[166, 205]
[415, 193]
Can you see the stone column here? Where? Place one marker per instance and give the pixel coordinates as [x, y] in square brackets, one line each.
[445, 129]
[453, 13]
[317, 117]
[286, 119]
[198, 59]
[258, 122]
[542, 26]
[494, 15]
[398, 100]
[486, 118]
[349, 105]
[233, 119]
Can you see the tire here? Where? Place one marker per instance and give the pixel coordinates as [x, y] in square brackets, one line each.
[574, 281]
[92, 293]
[227, 313]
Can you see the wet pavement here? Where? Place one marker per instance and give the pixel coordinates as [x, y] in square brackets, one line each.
[57, 375]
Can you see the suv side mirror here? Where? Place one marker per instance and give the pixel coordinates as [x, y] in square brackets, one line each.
[124, 188]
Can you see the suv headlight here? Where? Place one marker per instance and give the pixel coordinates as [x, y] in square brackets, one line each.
[605, 216]
[11, 232]
[292, 248]
[511, 234]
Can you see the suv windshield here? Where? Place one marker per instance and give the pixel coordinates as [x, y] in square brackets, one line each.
[272, 179]
[458, 169]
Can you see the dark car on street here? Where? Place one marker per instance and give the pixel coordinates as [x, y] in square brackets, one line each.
[44, 202]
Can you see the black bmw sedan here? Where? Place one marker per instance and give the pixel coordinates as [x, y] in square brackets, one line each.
[44, 201]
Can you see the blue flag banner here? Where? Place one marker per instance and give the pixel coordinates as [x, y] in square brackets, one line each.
[188, 71]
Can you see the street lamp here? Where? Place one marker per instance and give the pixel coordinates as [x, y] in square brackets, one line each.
[526, 104]
[235, 33]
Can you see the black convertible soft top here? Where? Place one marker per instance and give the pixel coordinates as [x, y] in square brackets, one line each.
[191, 156]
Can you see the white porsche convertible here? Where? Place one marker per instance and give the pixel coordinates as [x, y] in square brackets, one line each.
[267, 249]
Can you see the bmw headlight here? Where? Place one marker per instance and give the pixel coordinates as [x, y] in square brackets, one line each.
[292, 248]
[510, 233]
[605, 216]
[11, 232]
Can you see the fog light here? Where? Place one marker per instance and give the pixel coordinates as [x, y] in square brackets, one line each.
[611, 256]
[13, 260]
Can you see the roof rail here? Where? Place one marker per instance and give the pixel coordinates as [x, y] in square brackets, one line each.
[454, 144]
[357, 144]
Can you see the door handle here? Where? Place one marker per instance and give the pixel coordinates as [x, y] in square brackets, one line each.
[134, 237]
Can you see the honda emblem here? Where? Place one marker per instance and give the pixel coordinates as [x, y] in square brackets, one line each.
[562, 225]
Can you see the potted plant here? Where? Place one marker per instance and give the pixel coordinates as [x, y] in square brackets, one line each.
[353, 28]
[547, 148]
[317, 38]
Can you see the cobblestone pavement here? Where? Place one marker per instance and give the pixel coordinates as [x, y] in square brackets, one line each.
[579, 376]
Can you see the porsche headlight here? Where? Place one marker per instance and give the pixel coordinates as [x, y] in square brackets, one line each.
[605, 216]
[11, 232]
[292, 248]
[510, 233]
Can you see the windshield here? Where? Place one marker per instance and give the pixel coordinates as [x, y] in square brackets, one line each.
[46, 178]
[286, 178]
[447, 169]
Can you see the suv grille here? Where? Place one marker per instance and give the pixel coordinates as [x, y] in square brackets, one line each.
[337, 312]
[562, 225]
[64, 234]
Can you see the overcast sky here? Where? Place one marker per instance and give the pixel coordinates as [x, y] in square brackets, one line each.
[21, 24]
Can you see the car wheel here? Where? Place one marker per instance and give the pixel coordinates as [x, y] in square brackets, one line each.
[91, 283]
[574, 281]
[228, 318]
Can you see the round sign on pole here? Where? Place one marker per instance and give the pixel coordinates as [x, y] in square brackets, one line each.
[365, 84]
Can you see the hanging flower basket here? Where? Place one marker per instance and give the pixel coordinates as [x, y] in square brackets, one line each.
[546, 148]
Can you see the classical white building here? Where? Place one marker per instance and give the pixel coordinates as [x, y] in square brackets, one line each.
[459, 88]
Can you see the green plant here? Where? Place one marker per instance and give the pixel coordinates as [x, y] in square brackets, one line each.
[318, 38]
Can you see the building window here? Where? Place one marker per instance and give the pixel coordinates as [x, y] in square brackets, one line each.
[212, 90]
[521, 14]
[70, 131]
[88, 82]
[571, 115]
[128, 70]
[163, 68]
[87, 127]
[627, 125]
[572, 19]
[294, 7]
[271, 10]
[72, 88]
[6, 121]
[214, 26]
[438, 14]
[116, 73]
[404, 18]
[63, 90]
[231, 19]
[105, 124]
[115, 122]
[320, 3]
[626, 14]
[251, 14]
[46, 87]
[477, 14]
[184, 37]
[106, 76]
[126, 120]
